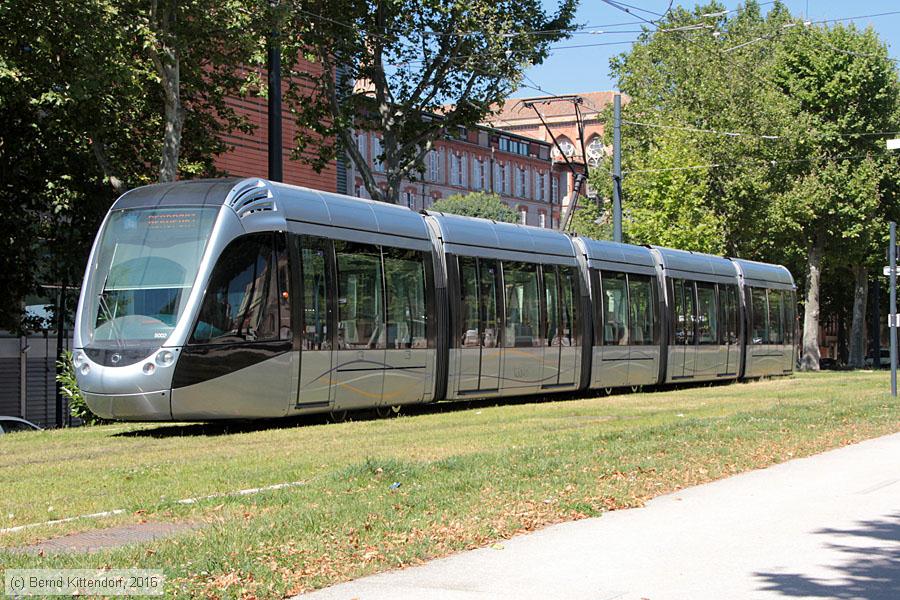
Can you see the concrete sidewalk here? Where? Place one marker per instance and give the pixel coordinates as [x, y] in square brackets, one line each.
[827, 526]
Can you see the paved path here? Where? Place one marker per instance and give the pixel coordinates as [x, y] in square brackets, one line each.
[827, 526]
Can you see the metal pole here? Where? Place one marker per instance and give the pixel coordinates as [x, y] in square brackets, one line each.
[617, 168]
[274, 117]
[892, 252]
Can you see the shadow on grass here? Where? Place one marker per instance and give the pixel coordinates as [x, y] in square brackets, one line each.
[217, 428]
[870, 569]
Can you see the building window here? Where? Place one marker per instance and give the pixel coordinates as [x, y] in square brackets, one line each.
[409, 199]
[377, 165]
[554, 190]
[361, 138]
[542, 219]
[540, 189]
[596, 151]
[523, 215]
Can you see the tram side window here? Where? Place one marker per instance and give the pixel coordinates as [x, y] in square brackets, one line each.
[728, 299]
[776, 317]
[243, 300]
[759, 312]
[642, 300]
[569, 279]
[707, 315]
[522, 304]
[316, 311]
[615, 308]
[407, 314]
[360, 302]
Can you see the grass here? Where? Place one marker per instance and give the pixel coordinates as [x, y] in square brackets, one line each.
[466, 478]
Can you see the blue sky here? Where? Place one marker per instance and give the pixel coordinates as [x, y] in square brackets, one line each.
[570, 70]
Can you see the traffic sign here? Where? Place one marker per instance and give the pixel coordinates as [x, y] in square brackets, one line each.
[887, 271]
[893, 144]
[893, 320]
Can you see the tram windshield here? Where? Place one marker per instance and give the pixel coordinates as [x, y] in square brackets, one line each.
[147, 261]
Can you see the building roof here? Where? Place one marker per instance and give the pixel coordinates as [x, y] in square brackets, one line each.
[513, 111]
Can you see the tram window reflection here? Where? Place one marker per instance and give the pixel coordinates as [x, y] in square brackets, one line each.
[759, 314]
[642, 300]
[615, 308]
[360, 302]
[316, 311]
[407, 314]
[707, 321]
[242, 298]
[522, 304]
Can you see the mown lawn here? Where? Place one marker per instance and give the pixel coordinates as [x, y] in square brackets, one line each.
[466, 477]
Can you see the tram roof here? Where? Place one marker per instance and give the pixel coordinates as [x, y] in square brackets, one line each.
[611, 255]
[189, 192]
[483, 237]
[765, 274]
[696, 265]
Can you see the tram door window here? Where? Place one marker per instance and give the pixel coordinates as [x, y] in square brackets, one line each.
[759, 316]
[522, 305]
[570, 295]
[479, 329]
[407, 316]
[361, 323]
[316, 358]
[246, 300]
[316, 307]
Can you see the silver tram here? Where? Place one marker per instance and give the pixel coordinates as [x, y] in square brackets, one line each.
[243, 298]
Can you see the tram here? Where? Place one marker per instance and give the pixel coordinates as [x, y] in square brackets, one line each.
[248, 299]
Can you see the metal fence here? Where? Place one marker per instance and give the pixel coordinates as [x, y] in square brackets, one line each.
[28, 377]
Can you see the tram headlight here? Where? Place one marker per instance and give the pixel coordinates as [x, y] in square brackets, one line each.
[79, 359]
[85, 368]
[165, 358]
[149, 368]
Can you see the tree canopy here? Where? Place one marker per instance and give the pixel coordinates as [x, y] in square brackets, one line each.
[410, 70]
[476, 204]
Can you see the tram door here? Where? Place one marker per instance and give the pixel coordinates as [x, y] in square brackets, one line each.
[684, 318]
[731, 323]
[479, 328]
[316, 356]
[560, 339]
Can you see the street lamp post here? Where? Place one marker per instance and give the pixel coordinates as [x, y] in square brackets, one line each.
[892, 265]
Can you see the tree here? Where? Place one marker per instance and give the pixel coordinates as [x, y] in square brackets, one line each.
[476, 204]
[98, 97]
[846, 84]
[410, 70]
[762, 125]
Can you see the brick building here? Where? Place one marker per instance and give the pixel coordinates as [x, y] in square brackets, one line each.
[248, 155]
[517, 168]
[515, 117]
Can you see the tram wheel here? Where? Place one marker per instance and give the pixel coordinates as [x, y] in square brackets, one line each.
[338, 416]
[386, 412]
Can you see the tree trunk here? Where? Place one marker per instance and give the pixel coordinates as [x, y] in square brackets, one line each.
[858, 324]
[810, 358]
[170, 73]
